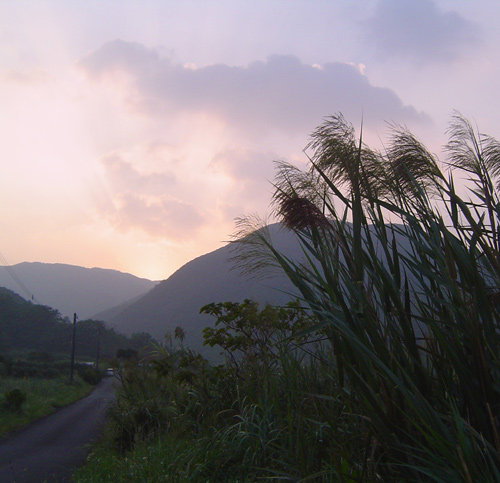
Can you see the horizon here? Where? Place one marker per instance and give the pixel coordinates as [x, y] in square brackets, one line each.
[134, 134]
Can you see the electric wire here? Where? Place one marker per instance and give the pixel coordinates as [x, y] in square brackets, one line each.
[16, 278]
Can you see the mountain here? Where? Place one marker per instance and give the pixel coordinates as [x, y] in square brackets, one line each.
[209, 278]
[206, 279]
[71, 289]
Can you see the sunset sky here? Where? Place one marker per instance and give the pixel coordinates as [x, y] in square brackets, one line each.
[133, 133]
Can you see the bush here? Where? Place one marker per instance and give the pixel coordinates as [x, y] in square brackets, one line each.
[40, 356]
[5, 366]
[43, 370]
[89, 374]
[14, 400]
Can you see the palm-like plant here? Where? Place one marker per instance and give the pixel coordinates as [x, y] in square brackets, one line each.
[411, 309]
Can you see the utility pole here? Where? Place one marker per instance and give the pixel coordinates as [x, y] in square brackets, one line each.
[98, 347]
[73, 349]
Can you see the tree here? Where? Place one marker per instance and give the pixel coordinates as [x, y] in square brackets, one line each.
[252, 336]
[179, 334]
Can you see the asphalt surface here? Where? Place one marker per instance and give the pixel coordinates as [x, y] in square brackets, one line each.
[50, 449]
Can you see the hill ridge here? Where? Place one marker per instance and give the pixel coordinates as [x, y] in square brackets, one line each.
[74, 289]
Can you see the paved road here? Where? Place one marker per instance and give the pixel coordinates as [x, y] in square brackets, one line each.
[49, 449]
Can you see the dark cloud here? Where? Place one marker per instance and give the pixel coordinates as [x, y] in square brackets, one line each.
[419, 30]
[279, 94]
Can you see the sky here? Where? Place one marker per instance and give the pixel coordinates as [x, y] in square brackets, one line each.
[133, 134]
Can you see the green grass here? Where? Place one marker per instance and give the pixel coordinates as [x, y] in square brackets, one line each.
[43, 396]
[169, 458]
[152, 461]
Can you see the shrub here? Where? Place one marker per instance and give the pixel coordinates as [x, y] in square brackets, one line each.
[40, 356]
[254, 339]
[14, 400]
[90, 375]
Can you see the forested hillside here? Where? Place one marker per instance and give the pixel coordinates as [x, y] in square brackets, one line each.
[25, 326]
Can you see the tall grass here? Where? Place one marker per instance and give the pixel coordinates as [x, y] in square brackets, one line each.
[221, 424]
[410, 309]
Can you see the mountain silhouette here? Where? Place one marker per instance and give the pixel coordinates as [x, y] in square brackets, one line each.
[71, 289]
[177, 300]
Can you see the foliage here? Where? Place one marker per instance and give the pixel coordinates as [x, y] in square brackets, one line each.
[210, 427]
[22, 368]
[127, 354]
[89, 374]
[14, 400]
[5, 366]
[40, 356]
[250, 336]
[410, 310]
[227, 423]
[42, 332]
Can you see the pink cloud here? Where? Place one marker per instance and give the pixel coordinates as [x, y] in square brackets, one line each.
[25, 76]
[142, 201]
[160, 217]
[122, 176]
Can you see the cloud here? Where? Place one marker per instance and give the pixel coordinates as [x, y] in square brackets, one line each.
[419, 30]
[209, 133]
[250, 172]
[122, 176]
[137, 200]
[25, 76]
[279, 94]
[163, 217]
[244, 165]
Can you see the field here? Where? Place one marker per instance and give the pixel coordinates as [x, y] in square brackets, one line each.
[43, 396]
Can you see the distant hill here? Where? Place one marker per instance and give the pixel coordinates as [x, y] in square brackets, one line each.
[71, 289]
[209, 278]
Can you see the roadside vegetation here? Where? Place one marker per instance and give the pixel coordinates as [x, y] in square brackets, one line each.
[35, 345]
[35, 384]
[386, 369]
[23, 400]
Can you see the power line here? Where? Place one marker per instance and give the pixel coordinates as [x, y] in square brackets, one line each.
[15, 277]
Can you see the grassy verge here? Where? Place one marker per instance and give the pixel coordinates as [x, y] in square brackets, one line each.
[183, 420]
[149, 461]
[170, 458]
[43, 396]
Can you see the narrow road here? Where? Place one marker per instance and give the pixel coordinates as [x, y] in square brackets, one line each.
[48, 450]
